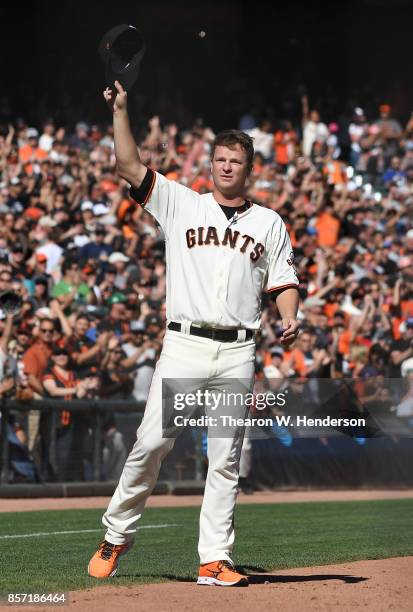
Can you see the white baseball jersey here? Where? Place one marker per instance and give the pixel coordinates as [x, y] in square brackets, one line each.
[216, 268]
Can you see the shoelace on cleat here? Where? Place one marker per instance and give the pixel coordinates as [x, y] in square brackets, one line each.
[106, 550]
[227, 564]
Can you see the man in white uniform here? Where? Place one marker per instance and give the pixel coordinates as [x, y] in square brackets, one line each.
[221, 253]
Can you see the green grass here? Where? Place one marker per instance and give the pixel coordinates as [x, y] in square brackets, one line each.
[268, 537]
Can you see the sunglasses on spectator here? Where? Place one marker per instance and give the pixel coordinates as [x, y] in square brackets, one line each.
[47, 330]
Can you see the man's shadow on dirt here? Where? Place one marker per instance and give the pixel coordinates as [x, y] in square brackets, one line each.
[262, 578]
[270, 578]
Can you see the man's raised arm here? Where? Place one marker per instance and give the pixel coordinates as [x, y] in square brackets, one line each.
[128, 162]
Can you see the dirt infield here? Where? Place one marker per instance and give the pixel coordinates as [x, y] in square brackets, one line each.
[176, 501]
[366, 585]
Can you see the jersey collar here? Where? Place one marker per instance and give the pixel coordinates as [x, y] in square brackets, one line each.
[217, 206]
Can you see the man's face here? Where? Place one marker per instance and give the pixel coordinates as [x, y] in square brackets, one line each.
[18, 256]
[146, 273]
[59, 202]
[230, 169]
[40, 290]
[5, 281]
[315, 116]
[120, 266]
[375, 291]
[81, 133]
[72, 271]
[110, 277]
[20, 224]
[15, 190]
[81, 327]
[153, 331]
[306, 342]
[367, 327]
[17, 287]
[41, 266]
[23, 339]
[46, 332]
[116, 354]
[87, 215]
[137, 338]
[322, 321]
[118, 312]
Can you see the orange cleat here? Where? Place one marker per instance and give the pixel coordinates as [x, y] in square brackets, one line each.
[220, 573]
[104, 562]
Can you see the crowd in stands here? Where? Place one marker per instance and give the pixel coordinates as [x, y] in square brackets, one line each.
[88, 262]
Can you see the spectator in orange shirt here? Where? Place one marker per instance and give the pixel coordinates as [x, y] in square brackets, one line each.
[294, 358]
[31, 151]
[36, 358]
[335, 172]
[60, 382]
[328, 226]
[284, 144]
[35, 363]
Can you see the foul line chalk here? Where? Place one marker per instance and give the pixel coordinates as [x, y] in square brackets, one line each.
[50, 533]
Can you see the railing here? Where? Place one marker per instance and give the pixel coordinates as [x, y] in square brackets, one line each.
[388, 438]
[95, 408]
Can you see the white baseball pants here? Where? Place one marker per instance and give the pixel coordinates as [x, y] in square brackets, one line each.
[185, 356]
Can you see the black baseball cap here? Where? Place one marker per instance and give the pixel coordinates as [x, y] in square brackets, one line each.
[60, 350]
[121, 50]
[153, 319]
